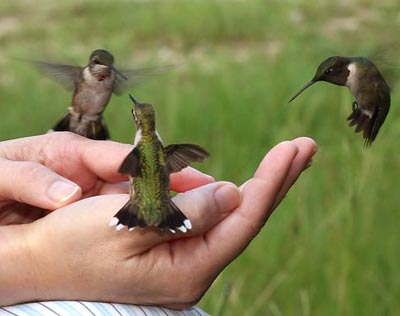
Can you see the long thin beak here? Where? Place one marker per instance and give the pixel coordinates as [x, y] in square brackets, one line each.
[134, 99]
[120, 73]
[302, 89]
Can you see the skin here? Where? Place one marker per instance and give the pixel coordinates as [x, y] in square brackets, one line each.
[64, 249]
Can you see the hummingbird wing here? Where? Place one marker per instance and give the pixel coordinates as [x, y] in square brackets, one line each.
[66, 75]
[179, 156]
[131, 164]
[136, 77]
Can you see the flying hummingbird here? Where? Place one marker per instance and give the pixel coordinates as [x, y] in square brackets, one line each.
[366, 84]
[92, 87]
[149, 165]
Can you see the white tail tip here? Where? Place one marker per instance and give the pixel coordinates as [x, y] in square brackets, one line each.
[114, 221]
[182, 228]
[187, 224]
[119, 227]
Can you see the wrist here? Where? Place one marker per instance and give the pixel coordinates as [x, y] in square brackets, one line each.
[17, 268]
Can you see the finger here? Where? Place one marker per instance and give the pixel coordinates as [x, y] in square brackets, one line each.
[188, 179]
[34, 184]
[307, 149]
[232, 235]
[109, 188]
[77, 158]
[84, 160]
[183, 181]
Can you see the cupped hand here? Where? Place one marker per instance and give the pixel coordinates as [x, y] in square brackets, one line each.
[77, 256]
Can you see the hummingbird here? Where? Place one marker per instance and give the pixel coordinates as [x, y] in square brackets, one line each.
[366, 84]
[149, 165]
[92, 87]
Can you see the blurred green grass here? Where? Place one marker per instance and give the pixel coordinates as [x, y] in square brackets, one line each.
[332, 248]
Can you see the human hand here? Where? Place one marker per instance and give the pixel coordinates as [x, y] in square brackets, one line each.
[77, 256]
[42, 173]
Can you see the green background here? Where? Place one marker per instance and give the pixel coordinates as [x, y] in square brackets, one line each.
[332, 248]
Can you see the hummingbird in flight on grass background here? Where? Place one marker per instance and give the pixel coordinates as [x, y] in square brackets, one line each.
[366, 84]
[149, 165]
[92, 87]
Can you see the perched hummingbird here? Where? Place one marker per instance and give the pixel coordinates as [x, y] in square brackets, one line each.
[367, 85]
[92, 86]
[149, 165]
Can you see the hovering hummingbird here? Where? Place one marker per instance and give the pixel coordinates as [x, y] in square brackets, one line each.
[92, 86]
[367, 85]
[149, 165]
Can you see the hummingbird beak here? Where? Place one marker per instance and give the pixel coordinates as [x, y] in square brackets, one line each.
[134, 99]
[302, 89]
[119, 73]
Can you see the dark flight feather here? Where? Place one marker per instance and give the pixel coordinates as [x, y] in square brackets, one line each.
[179, 156]
[65, 75]
[131, 164]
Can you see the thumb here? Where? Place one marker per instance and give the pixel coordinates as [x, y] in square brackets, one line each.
[34, 184]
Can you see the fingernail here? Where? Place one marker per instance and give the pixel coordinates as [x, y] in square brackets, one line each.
[227, 197]
[61, 191]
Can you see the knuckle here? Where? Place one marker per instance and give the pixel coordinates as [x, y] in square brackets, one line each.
[58, 147]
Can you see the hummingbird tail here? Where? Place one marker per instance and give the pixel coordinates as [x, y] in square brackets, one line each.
[63, 124]
[128, 216]
[90, 129]
[172, 218]
[364, 121]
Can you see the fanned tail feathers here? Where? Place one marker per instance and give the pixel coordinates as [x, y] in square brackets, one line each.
[364, 121]
[89, 129]
[63, 124]
[172, 218]
[128, 216]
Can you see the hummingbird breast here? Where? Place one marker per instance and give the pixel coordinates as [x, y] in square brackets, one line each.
[91, 94]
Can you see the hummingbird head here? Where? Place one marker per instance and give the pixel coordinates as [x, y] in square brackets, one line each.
[144, 115]
[101, 57]
[101, 62]
[333, 69]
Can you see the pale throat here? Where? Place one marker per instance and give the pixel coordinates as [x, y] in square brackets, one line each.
[139, 136]
[352, 79]
[99, 73]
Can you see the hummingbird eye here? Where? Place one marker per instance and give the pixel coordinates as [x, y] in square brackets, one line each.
[328, 70]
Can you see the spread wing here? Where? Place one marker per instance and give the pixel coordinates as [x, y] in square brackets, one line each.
[66, 75]
[180, 156]
[131, 164]
[137, 77]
